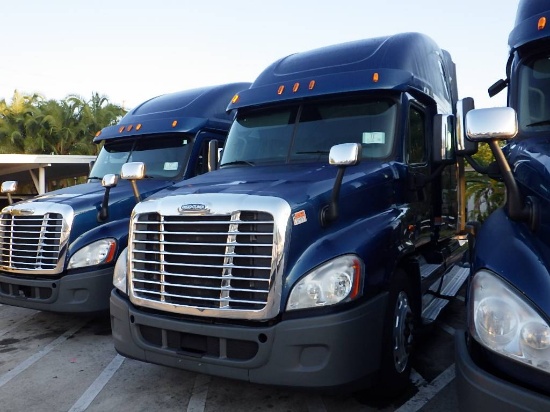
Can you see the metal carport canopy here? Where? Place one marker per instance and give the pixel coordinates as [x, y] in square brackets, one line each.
[39, 169]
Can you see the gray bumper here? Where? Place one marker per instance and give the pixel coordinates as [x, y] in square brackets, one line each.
[479, 390]
[321, 351]
[86, 292]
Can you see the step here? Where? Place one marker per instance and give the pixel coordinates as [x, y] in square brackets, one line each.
[452, 282]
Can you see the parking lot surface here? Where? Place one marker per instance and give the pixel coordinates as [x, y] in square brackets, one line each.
[53, 362]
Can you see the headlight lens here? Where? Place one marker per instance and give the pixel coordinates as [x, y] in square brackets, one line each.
[119, 275]
[507, 324]
[338, 280]
[96, 253]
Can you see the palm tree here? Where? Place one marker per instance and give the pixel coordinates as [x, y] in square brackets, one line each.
[18, 121]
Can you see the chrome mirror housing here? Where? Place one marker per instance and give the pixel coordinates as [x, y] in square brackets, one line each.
[496, 123]
[345, 154]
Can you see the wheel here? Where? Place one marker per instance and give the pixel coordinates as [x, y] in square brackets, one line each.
[398, 337]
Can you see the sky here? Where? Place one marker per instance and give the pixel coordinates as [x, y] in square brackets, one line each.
[132, 50]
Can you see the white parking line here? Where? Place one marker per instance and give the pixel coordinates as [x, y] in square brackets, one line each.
[426, 393]
[197, 402]
[93, 390]
[5, 378]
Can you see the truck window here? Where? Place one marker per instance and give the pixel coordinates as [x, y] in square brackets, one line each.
[164, 157]
[534, 94]
[416, 140]
[306, 132]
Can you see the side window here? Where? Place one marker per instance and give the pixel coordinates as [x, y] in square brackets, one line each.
[416, 140]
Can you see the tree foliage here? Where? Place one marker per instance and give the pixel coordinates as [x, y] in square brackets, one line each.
[33, 125]
[484, 194]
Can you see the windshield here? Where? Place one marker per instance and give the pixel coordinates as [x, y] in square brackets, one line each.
[534, 94]
[306, 132]
[165, 157]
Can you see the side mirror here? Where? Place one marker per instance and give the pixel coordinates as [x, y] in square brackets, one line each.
[341, 155]
[496, 123]
[109, 180]
[345, 154]
[464, 146]
[133, 171]
[9, 187]
[443, 147]
[213, 155]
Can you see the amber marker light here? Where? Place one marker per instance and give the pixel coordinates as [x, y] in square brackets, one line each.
[129, 128]
[295, 87]
[311, 85]
[375, 77]
[542, 23]
[235, 99]
[138, 126]
[174, 123]
[280, 90]
[98, 133]
[121, 129]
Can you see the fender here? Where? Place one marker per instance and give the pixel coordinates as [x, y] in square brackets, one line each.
[379, 229]
[117, 230]
[517, 258]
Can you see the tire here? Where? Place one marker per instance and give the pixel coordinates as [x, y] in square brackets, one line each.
[398, 337]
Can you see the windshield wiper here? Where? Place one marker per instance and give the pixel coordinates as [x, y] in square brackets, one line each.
[315, 152]
[541, 123]
[238, 162]
[94, 178]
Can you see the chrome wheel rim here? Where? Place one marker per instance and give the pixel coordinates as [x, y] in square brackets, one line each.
[402, 332]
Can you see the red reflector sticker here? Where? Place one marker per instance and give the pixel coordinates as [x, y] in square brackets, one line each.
[299, 217]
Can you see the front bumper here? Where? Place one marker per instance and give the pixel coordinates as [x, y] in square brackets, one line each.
[86, 292]
[480, 390]
[321, 351]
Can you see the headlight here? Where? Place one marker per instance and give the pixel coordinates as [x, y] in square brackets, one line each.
[507, 324]
[97, 253]
[338, 280]
[119, 275]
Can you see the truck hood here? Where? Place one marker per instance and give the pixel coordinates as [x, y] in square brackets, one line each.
[297, 184]
[85, 200]
[84, 196]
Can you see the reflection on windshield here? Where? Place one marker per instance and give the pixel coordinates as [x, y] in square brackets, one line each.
[306, 132]
[534, 95]
[164, 157]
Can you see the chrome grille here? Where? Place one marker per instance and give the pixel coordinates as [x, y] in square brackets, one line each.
[33, 240]
[208, 261]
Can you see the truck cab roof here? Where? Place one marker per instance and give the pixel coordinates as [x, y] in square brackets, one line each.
[396, 62]
[185, 111]
[526, 27]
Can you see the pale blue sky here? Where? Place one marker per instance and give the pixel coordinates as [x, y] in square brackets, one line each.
[131, 50]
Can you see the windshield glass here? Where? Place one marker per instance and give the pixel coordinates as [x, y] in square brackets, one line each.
[165, 157]
[534, 94]
[306, 132]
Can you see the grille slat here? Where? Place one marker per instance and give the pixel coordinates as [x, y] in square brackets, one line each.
[183, 275]
[212, 261]
[191, 297]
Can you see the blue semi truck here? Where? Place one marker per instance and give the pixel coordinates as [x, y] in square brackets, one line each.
[329, 234]
[58, 250]
[503, 358]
